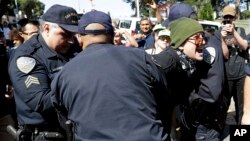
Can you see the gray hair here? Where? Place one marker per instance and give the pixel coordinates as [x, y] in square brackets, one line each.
[42, 22]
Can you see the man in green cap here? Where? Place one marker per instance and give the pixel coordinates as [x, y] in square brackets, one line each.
[186, 65]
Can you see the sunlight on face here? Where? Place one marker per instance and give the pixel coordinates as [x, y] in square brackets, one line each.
[194, 46]
[60, 39]
[29, 31]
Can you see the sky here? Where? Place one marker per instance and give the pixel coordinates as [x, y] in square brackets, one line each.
[117, 8]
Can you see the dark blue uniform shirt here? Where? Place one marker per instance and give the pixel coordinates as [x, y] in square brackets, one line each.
[112, 93]
[32, 68]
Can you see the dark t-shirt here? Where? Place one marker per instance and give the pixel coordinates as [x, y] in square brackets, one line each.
[235, 65]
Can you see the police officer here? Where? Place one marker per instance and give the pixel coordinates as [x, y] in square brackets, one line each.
[34, 65]
[110, 93]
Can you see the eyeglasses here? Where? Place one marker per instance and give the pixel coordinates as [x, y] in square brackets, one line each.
[164, 38]
[198, 38]
[30, 33]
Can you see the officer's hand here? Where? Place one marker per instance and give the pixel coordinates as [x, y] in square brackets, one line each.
[9, 92]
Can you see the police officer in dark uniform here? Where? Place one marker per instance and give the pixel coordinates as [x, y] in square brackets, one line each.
[108, 92]
[34, 65]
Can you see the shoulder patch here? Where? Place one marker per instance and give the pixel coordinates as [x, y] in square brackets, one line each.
[25, 64]
[209, 54]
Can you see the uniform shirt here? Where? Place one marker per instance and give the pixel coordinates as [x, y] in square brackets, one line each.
[112, 93]
[32, 68]
[212, 70]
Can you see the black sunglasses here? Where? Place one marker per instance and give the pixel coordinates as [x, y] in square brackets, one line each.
[228, 17]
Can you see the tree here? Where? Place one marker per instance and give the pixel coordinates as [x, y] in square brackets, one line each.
[206, 12]
[144, 9]
[6, 8]
[246, 14]
[31, 8]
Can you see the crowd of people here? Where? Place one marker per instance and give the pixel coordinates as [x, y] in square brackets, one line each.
[68, 79]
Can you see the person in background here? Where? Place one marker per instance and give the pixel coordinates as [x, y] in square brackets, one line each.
[162, 41]
[123, 37]
[35, 64]
[28, 28]
[17, 40]
[7, 103]
[105, 104]
[235, 40]
[145, 38]
[6, 28]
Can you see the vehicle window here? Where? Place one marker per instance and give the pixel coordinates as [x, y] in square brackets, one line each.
[125, 24]
[207, 26]
[137, 28]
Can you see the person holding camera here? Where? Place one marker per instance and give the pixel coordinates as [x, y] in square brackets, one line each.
[235, 39]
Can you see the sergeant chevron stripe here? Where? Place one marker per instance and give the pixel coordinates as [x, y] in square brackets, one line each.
[31, 80]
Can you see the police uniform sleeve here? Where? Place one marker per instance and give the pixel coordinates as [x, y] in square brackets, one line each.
[57, 102]
[212, 72]
[31, 82]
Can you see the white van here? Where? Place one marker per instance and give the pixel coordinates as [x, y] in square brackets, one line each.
[210, 25]
[132, 25]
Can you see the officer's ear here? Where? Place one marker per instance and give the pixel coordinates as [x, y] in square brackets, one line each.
[46, 27]
[79, 39]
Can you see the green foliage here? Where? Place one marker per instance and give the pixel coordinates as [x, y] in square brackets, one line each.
[206, 12]
[6, 8]
[191, 2]
[246, 14]
[32, 8]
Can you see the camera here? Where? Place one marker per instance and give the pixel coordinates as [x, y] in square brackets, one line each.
[226, 22]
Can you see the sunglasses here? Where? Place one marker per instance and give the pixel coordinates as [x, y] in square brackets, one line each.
[228, 17]
[164, 38]
[198, 38]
